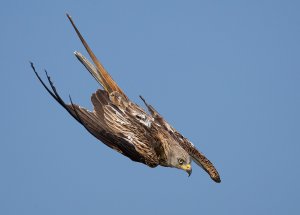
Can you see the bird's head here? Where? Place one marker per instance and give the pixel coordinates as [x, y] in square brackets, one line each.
[180, 159]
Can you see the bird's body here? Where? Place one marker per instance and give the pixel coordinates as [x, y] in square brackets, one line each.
[127, 128]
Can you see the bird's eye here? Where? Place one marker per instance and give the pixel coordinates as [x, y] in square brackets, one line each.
[180, 161]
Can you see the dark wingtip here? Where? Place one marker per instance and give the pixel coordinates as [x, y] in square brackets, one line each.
[141, 97]
[32, 66]
[216, 179]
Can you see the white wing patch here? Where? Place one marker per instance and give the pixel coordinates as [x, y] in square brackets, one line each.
[144, 119]
[118, 121]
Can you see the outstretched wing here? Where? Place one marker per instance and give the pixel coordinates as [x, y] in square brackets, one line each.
[109, 124]
[196, 155]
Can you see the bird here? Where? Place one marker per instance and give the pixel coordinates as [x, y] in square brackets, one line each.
[143, 136]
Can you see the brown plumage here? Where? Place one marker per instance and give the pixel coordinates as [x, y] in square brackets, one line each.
[125, 127]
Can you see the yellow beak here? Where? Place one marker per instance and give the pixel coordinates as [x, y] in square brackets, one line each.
[187, 168]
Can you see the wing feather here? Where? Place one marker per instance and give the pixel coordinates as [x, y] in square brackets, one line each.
[94, 122]
[196, 155]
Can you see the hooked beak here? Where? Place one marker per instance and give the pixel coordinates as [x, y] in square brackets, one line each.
[189, 172]
[187, 168]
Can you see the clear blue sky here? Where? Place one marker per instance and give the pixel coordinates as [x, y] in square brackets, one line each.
[224, 73]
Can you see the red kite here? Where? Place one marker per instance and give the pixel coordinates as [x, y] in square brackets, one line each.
[125, 127]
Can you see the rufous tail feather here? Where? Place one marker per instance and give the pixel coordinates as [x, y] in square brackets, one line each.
[103, 76]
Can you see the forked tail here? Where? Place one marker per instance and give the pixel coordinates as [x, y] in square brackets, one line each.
[99, 73]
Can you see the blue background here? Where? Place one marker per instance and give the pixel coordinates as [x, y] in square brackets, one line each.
[224, 73]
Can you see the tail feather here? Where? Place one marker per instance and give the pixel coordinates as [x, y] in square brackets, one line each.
[90, 67]
[101, 75]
